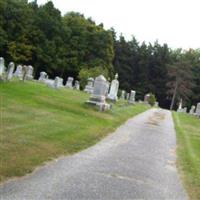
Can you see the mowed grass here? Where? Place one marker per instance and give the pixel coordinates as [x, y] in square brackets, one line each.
[188, 138]
[39, 123]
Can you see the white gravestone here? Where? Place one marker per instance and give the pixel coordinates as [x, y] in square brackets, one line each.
[180, 106]
[198, 110]
[192, 110]
[98, 97]
[77, 85]
[90, 86]
[43, 77]
[123, 94]
[69, 83]
[2, 66]
[132, 97]
[11, 68]
[60, 82]
[114, 89]
[18, 72]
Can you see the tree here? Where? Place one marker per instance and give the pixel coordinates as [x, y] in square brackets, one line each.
[180, 82]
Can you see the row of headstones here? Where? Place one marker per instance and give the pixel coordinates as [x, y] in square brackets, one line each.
[112, 90]
[58, 82]
[194, 110]
[21, 72]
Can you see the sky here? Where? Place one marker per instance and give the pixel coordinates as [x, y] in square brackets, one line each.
[175, 22]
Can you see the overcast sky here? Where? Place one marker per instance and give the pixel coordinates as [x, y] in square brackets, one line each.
[175, 22]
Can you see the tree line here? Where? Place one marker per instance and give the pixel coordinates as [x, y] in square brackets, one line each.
[72, 45]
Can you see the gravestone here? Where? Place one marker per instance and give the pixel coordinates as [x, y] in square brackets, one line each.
[11, 68]
[98, 97]
[56, 83]
[29, 75]
[18, 72]
[180, 106]
[2, 66]
[123, 94]
[60, 82]
[114, 89]
[77, 85]
[127, 96]
[156, 104]
[132, 97]
[90, 86]
[198, 110]
[192, 110]
[146, 98]
[43, 77]
[184, 110]
[69, 83]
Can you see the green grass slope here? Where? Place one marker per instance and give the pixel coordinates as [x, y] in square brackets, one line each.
[39, 123]
[188, 139]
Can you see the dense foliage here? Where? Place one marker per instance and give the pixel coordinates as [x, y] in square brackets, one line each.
[72, 45]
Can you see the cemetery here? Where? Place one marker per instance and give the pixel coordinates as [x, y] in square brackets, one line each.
[40, 115]
[89, 112]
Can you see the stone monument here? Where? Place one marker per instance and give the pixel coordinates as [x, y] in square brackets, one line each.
[43, 77]
[18, 72]
[180, 106]
[2, 66]
[192, 110]
[90, 86]
[198, 110]
[29, 75]
[123, 94]
[146, 98]
[112, 95]
[11, 68]
[98, 97]
[132, 97]
[77, 85]
[69, 83]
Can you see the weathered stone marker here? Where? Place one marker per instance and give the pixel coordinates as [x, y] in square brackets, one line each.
[2, 66]
[132, 97]
[11, 68]
[69, 83]
[112, 95]
[90, 86]
[98, 97]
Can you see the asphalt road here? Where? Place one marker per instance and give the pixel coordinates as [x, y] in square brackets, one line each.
[135, 162]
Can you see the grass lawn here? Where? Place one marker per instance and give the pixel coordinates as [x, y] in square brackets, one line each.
[38, 124]
[188, 138]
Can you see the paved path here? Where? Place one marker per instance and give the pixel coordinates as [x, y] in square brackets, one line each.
[136, 162]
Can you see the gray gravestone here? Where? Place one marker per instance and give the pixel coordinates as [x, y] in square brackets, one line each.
[29, 75]
[146, 98]
[198, 110]
[123, 94]
[43, 76]
[11, 68]
[192, 110]
[127, 96]
[90, 86]
[132, 97]
[2, 66]
[98, 97]
[114, 89]
[69, 83]
[19, 72]
[77, 85]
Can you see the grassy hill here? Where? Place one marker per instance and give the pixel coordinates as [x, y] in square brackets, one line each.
[188, 139]
[39, 123]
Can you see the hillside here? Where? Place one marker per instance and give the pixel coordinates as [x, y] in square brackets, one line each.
[39, 123]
